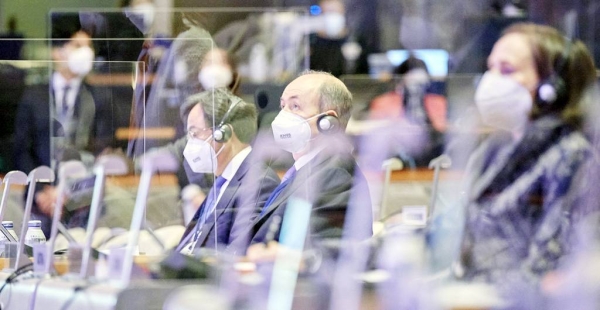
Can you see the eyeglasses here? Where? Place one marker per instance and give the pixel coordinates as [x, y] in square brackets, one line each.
[199, 133]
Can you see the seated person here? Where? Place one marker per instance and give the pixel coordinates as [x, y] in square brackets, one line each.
[520, 211]
[220, 128]
[314, 113]
[413, 101]
[217, 69]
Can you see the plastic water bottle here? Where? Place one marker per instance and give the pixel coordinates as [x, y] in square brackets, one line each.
[10, 227]
[34, 233]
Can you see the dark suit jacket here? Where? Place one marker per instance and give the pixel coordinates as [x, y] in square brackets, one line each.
[337, 190]
[34, 129]
[245, 195]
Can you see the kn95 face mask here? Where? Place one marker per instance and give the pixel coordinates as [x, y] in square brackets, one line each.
[201, 156]
[502, 102]
[291, 132]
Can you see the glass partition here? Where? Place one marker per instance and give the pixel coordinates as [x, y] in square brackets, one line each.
[413, 151]
[266, 46]
[148, 110]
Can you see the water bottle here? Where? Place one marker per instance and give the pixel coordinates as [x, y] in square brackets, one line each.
[34, 233]
[10, 227]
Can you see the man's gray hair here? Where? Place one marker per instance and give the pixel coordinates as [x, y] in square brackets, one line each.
[334, 95]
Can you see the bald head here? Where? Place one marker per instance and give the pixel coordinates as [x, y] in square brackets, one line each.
[331, 93]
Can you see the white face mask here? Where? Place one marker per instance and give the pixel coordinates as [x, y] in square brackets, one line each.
[291, 131]
[215, 76]
[502, 102]
[201, 156]
[142, 16]
[416, 80]
[180, 71]
[334, 24]
[80, 60]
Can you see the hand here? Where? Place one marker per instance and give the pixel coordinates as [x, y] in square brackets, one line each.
[259, 252]
[116, 152]
[553, 282]
[45, 200]
[198, 199]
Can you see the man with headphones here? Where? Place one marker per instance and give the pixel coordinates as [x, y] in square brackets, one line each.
[315, 109]
[220, 128]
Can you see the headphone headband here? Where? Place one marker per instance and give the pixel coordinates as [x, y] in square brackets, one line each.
[229, 111]
[224, 131]
[553, 89]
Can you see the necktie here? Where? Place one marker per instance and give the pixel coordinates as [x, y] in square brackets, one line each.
[64, 108]
[288, 177]
[209, 206]
[212, 196]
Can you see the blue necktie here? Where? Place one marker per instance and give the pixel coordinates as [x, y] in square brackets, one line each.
[288, 177]
[212, 197]
[209, 205]
[64, 104]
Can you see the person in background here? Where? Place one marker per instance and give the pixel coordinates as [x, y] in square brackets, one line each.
[413, 101]
[220, 128]
[314, 112]
[12, 41]
[58, 122]
[326, 45]
[520, 211]
[171, 63]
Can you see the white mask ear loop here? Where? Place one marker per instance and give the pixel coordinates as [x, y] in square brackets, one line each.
[223, 144]
[313, 137]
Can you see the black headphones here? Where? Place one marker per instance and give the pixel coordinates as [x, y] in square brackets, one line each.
[553, 89]
[223, 132]
[328, 124]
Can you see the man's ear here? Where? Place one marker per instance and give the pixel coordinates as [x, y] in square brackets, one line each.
[332, 113]
[328, 123]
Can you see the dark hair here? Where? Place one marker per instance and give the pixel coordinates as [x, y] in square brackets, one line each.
[570, 60]
[410, 63]
[63, 27]
[215, 104]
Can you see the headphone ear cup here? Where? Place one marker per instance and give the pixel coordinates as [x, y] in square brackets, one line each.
[551, 91]
[222, 134]
[328, 124]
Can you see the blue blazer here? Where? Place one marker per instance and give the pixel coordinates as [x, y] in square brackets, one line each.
[243, 198]
[337, 190]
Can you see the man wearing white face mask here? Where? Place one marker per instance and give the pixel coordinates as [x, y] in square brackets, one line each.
[68, 103]
[521, 215]
[221, 127]
[314, 113]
